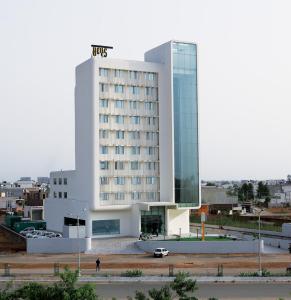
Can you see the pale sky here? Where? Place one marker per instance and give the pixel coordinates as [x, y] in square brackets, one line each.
[244, 77]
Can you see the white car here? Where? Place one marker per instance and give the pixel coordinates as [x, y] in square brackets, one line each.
[27, 230]
[161, 252]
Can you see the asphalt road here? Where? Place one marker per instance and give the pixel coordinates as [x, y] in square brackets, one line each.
[221, 291]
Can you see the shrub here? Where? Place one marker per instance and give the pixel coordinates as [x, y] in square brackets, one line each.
[132, 273]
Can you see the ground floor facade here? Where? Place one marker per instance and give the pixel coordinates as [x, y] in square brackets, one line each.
[131, 220]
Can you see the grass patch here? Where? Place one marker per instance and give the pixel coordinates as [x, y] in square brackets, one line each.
[235, 221]
[132, 273]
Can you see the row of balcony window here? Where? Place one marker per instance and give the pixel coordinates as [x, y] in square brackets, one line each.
[120, 119]
[135, 180]
[150, 196]
[132, 165]
[134, 75]
[60, 181]
[61, 195]
[130, 89]
[131, 104]
[132, 150]
[133, 135]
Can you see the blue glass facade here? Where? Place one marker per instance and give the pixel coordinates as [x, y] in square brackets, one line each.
[185, 124]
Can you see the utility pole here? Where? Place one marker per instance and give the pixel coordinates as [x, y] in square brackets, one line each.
[79, 254]
[260, 262]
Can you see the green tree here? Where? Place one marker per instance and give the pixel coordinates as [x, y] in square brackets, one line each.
[64, 290]
[263, 190]
[184, 287]
[246, 192]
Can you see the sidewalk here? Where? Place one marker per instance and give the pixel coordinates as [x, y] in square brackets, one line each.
[152, 279]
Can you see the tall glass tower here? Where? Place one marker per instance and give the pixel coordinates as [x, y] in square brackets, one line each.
[186, 171]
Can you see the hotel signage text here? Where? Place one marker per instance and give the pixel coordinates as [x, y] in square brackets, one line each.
[100, 50]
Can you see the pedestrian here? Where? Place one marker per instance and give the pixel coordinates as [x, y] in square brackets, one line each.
[98, 262]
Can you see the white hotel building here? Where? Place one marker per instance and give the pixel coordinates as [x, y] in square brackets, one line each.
[136, 136]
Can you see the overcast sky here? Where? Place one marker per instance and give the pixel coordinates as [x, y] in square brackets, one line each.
[244, 77]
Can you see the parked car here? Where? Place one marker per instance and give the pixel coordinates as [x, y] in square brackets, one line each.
[27, 230]
[31, 235]
[161, 252]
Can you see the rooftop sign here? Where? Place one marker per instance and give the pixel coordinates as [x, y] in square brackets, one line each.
[98, 49]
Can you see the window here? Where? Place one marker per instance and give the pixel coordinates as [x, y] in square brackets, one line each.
[65, 181]
[119, 104]
[104, 180]
[148, 91]
[119, 165]
[135, 195]
[103, 72]
[119, 180]
[135, 150]
[60, 194]
[151, 195]
[103, 103]
[105, 227]
[119, 196]
[133, 104]
[149, 105]
[65, 195]
[150, 76]
[134, 135]
[150, 136]
[119, 149]
[55, 194]
[151, 120]
[119, 119]
[60, 181]
[118, 73]
[134, 165]
[134, 90]
[103, 150]
[55, 180]
[149, 150]
[119, 88]
[104, 196]
[103, 87]
[150, 165]
[151, 180]
[103, 118]
[136, 180]
[135, 120]
[133, 75]
[103, 134]
[120, 134]
[104, 165]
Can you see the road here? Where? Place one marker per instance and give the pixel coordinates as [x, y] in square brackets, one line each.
[221, 291]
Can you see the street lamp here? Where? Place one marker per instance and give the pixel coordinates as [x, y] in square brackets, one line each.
[78, 237]
[260, 262]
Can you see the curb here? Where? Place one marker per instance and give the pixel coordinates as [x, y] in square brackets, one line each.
[157, 279]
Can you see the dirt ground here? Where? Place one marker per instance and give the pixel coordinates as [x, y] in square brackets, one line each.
[197, 264]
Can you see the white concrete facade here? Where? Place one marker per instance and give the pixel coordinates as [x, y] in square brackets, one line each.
[124, 152]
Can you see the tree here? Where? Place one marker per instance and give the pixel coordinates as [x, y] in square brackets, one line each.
[163, 294]
[232, 191]
[210, 184]
[263, 190]
[184, 286]
[63, 290]
[246, 192]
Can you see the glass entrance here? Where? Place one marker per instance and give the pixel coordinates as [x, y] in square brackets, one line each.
[153, 221]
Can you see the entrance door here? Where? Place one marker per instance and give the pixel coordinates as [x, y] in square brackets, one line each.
[151, 224]
[153, 221]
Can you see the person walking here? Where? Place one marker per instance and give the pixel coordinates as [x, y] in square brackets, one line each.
[98, 262]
